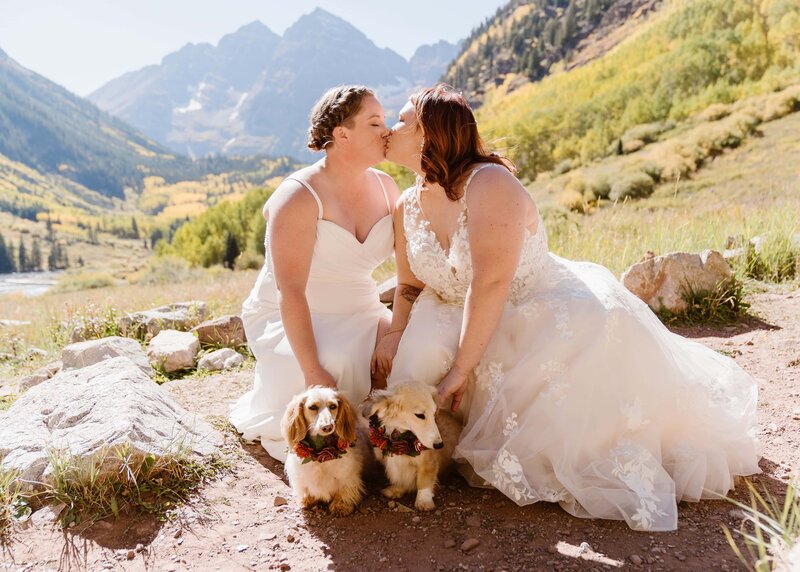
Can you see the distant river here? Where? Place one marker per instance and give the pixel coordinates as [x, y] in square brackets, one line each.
[29, 283]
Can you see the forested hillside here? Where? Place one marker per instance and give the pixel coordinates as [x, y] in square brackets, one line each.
[683, 58]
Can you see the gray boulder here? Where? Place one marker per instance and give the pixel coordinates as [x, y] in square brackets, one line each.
[221, 359]
[227, 331]
[181, 316]
[663, 281]
[82, 354]
[40, 375]
[172, 350]
[84, 412]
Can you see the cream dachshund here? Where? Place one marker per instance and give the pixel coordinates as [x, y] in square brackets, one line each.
[411, 439]
[325, 462]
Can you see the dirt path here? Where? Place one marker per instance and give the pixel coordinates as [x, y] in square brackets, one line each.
[234, 524]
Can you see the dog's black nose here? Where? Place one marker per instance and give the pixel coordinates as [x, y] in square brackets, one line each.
[438, 445]
[327, 428]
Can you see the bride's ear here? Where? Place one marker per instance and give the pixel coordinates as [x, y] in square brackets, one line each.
[340, 133]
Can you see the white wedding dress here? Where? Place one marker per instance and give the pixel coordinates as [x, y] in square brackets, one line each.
[345, 312]
[583, 397]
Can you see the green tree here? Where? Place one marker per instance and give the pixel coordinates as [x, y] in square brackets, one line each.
[231, 251]
[134, 228]
[22, 257]
[6, 258]
[36, 255]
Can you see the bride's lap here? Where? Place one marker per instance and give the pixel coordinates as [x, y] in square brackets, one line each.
[429, 342]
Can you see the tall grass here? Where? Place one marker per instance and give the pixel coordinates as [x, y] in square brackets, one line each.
[9, 500]
[769, 531]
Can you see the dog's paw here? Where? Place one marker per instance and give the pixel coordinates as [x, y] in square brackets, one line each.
[393, 492]
[340, 508]
[424, 504]
[308, 502]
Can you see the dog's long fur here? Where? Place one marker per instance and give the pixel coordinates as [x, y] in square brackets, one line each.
[400, 407]
[320, 411]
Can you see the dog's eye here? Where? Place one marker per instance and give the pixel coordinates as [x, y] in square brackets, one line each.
[421, 415]
[333, 407]
[313, 407]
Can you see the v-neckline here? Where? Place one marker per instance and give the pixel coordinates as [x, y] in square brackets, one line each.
[427, 223]
[353, 236]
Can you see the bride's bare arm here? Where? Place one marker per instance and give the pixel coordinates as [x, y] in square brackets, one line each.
[408, 288]
[498, 207]
[292, 232]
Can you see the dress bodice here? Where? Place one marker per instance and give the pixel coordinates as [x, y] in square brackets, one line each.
[449, 274]
[340, 276]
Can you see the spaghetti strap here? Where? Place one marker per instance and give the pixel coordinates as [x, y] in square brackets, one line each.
[383, 188]
[469, 179]
[310, 190]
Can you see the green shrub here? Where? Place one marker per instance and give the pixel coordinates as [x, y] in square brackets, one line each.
[599, 186]
[723, 305]
[715, 112]
[249, 260]
[647, 132]
[166, 270]
[631, 185]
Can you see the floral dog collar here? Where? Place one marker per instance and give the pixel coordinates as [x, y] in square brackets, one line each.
[321, 449]
[405, 443]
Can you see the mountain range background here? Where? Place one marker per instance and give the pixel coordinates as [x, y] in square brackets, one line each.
[568, 88]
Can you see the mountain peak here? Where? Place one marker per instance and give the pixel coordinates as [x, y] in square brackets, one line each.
[255, 28]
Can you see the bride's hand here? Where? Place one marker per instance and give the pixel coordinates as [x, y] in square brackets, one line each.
[454, 384]
[320, 377]
[385, 351]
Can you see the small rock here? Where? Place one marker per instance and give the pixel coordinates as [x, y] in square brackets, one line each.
[178, 533]
[584, 547]
[269, 536]
[392, 504]
[449, 543]
[241, 548]
[35, 353]
[636, 559]
[285, 567]
[416, 520]
[131, 555]
[403, 508]
[470, 544]
[290, 538]
[140, 548]
[220, 360]
[280, 501]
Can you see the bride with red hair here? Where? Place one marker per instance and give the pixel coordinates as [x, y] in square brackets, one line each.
[572, 390]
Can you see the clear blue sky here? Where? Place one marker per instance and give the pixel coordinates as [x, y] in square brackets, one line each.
[82, 44]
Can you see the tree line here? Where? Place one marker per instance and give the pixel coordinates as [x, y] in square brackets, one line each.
[30, 257]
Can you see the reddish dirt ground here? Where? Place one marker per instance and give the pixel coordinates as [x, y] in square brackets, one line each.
[233, 523]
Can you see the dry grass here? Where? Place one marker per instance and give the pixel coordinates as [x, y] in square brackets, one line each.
[222, 290]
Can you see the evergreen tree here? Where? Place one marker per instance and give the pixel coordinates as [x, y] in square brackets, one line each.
[54, 256]
[155, 236]
[22, 257]
[51, 235]
[570, 21]
[6, 259]
[134, 228]
[231, 251]
[36, 255]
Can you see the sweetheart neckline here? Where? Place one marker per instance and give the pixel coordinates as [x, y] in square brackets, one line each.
[354, 237]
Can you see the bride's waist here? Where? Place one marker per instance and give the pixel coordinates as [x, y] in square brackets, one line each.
[324, 295]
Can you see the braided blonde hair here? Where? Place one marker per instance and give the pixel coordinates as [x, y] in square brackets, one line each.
[337, 107]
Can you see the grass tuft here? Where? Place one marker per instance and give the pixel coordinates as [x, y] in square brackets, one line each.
[11, 504]
[769, 530]
[722, 305]
[120, 481]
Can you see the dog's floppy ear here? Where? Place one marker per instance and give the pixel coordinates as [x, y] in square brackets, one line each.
[346, 420]
[382, 402]
[293, 424]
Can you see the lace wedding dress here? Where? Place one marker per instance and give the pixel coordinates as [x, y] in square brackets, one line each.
[583, 397]
[345, 311]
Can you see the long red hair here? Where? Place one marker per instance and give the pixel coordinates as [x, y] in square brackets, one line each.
[451, 144]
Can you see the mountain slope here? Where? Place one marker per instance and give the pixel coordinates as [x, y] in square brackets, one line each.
[684, 57]
[527, 38]
[252, 93]
[49, 129]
